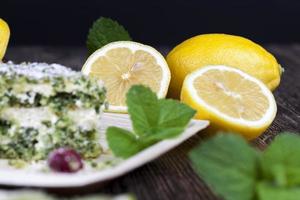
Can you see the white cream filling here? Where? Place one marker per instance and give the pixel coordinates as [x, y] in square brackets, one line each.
[86, 119]
[43, 89]
[28, 117]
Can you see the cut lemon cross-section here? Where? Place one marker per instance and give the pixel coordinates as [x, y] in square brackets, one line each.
[231, 99]
[123, 64]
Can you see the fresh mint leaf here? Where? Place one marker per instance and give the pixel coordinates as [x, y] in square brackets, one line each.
[151, 115]
[174, 114]
[280, 161]
[173, 118]
[227, 164]
[103, 31]
[152, 119]
[268, 191]
[143, 108]
[160, 134]
[123, 143]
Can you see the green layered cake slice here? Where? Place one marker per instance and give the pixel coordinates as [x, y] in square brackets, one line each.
[44, 107]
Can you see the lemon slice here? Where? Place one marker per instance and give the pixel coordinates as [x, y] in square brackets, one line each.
[4, 37]
[123, 64]
[231, 99]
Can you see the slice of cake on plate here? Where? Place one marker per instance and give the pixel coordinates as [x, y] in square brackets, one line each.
[44, 107]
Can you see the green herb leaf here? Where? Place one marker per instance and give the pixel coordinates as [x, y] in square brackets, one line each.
[104, 31]
[174, 114]
[267, 191]
[143, 109]
[227, 164]
[160, 134]
[280, 161]
[151, 115]
[123, 143]
[152, 119]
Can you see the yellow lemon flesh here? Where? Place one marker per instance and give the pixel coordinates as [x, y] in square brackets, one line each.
[123, 64]
[4, 37]
[230, 99]
[221, 49]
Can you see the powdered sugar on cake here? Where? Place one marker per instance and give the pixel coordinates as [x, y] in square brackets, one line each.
[37, 70]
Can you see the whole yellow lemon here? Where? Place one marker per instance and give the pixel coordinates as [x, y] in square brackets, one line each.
[4, 37]
[221, 49]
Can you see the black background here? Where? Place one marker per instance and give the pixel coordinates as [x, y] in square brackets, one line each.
[156, 22]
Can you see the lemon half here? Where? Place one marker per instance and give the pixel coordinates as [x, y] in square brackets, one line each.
[230, 99]
[125, 63]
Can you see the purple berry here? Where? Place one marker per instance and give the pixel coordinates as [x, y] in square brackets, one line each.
[65, 160]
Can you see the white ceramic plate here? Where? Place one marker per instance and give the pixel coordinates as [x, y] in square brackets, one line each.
[33, 175]
[37, 195]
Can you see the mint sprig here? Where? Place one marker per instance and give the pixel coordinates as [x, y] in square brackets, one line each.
[152, 119]
[103, 31]
[236, 171]
[281, 160]
[228, 165]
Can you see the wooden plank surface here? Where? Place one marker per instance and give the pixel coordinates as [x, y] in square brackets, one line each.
[171, 176]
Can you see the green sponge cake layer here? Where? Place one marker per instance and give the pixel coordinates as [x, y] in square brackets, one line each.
[43, 107]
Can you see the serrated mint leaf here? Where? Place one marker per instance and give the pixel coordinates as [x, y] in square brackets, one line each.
[281, 162]
[161, 134]
[228, 165]
[151, 115]
[143, 109]
[174, 113]
[123, 143]
[104, 31]
[269, 191]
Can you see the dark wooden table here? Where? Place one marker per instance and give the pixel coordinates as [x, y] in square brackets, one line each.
[171, 176]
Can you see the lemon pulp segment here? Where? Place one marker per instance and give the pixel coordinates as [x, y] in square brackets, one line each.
[121, 68]
[230, 93]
